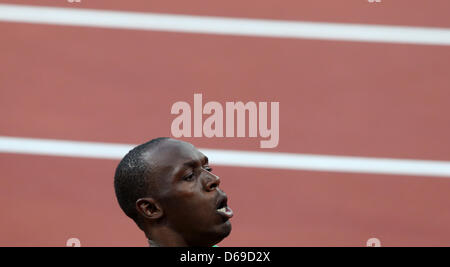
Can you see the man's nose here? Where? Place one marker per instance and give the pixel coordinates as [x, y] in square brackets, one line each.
[211, 181]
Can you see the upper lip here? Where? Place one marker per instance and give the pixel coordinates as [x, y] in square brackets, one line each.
[222, 201]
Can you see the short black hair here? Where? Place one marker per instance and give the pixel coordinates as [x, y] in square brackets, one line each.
[131, 180]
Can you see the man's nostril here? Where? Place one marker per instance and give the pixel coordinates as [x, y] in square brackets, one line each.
[212, 182]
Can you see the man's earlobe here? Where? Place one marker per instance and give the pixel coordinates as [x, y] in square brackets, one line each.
[149, 208]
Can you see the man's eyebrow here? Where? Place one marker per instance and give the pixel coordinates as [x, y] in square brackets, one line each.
[193, 163]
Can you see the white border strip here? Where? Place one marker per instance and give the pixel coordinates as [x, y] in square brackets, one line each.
[236, 158]
[224, 26]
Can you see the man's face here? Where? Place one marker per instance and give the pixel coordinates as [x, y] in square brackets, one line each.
[189, 193]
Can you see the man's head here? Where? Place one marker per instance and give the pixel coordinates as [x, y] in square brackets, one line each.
[167, 188]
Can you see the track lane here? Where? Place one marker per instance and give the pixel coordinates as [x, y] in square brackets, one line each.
[351, 99]
[57, 198]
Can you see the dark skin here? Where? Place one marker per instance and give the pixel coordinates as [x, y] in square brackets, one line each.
[182, 208]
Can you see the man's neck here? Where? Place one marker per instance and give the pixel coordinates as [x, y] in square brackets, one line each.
[165, 237]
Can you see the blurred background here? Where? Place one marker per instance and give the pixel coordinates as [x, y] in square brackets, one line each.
[116, 85]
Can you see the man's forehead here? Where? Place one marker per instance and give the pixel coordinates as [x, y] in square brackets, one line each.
[172, 153]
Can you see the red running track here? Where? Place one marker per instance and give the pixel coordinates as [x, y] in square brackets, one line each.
[338, 98]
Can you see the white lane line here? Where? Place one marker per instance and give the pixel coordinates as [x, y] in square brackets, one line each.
[236, 158]
[225, 26]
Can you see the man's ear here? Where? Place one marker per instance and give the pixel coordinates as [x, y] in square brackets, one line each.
[149, 208]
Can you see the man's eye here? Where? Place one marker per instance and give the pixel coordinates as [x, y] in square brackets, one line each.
[190, 177]
[208, 168]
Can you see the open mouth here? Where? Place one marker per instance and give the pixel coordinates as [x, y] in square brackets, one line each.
[223, 209]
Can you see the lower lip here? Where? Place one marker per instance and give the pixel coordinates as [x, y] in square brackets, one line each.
[228, 213]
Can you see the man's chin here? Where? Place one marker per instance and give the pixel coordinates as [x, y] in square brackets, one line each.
[225, 229]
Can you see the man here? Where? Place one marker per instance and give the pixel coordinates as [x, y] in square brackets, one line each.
[167, 187]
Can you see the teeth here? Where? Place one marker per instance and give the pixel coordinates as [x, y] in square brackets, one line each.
[222, 209]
